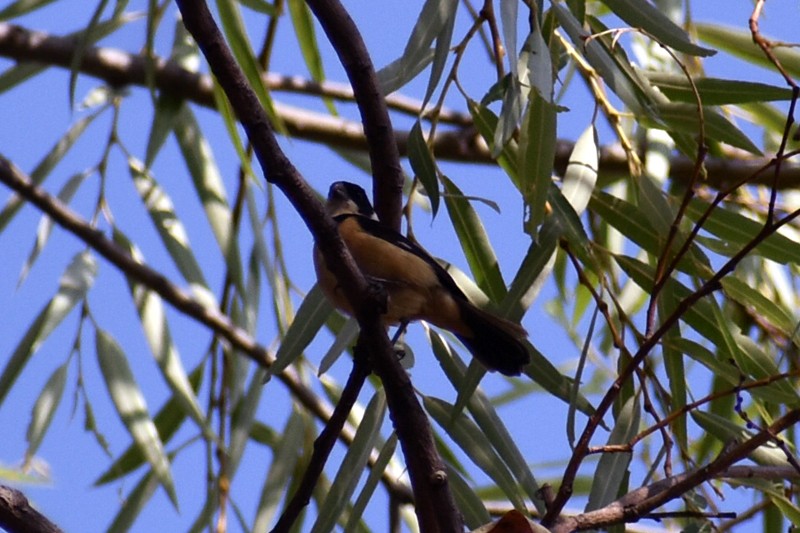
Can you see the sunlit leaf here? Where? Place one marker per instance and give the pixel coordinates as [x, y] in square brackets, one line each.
[423, 164]
[132, 408]
[73, 286]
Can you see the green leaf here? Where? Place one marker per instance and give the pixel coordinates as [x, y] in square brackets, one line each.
[236, 34]
[476, 445]
[609, 62]
[716, 91]
[132, 408]
[303, 24]
[210, 188]
[157, 333]
[766, 308]
[423, 164]
[442, 50]
[533, 272]
[21, 7]
[344, 339]
[45, 408]
[375, 474]
[683, 118]
[355, 460]
[73, 286]
[739, 42]
[538, 68]
[285, 461]
[475, 242]
[580, 177]
[307, 322]
[612, 469]
[46, 224]
[167, 421]
[644, 15]
[471, 506]
[768, 454]
[169, 227]
[740, 230]
[537, 149]
[134, 502]
[486, 122]
[433, 23]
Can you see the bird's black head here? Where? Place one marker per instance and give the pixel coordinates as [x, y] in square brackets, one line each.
[345, 197]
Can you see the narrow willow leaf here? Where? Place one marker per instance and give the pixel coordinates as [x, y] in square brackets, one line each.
[635, 224]
[244, 416]
[740, 230]
[44, 409]
[83, 43]
[310, 318]
[167, 421]
[134, 503]
[647, 17]
[787, 508]
[236, 34]
[720, 366]
[396, 74]
[374, 477]
[73, 286]
[509, 13]
[169, 227]
[46, 224]
[599, 56]
[612, 468]
[132, 408]
[423, 164]
[441, 50]
[699, 316]
[726, 431]
[537, 153]
[355, 460]
[569, 223]
[21, 7]
[739, 42]
[471, 506]
[538, 68]
[476, 445]
[683, 118]
[510, 117]
[303, 24]
[344, 339]
[755, 362]
[46, 165]
[533, 272]
[580, 177]
[716, 91]
[286, 460]
[156, 330]
[766, 308]
[210, 189]
[475, 242]
[486, 122]
[432, 23]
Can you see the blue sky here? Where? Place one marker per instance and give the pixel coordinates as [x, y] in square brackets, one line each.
[35, 117]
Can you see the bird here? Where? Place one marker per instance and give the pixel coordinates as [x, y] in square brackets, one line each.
[417, 287]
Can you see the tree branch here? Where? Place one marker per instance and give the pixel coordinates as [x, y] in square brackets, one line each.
[435, 506]
[17, 515]
[119, 68]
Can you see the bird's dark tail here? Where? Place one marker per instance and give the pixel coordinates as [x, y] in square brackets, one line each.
[496, 342]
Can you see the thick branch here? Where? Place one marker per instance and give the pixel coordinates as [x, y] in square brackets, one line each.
[17, 515]
[386, 171]
[434, 504]
[120, 68]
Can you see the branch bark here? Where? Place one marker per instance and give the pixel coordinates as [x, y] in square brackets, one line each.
[462, 144]
[435, 507]
[17, 515]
